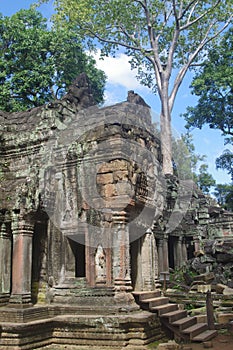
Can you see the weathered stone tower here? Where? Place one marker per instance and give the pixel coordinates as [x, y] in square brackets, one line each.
[80, 190]
[86, 218]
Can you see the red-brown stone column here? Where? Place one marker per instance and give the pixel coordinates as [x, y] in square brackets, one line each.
[121, 254]
[22, 231]
[5, 264]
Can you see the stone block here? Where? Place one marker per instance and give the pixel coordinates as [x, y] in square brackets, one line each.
[224, 318]
[120, 175]
[105, 178]
[228, 291]
[219, 288]
[109, 190]
[207, 344]
[171, 345]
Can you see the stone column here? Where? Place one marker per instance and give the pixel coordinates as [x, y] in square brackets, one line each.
[22, 231]
[5, 265]
[179, 251]
[184, 251]
[148, 261]
[160, 255]
[121, 253]
[196, 244]
[165, 253]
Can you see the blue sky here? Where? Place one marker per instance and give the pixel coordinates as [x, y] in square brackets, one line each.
[121, 79]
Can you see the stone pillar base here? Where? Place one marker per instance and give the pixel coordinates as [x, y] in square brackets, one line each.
[123, 285]
[4, 298]
[19, 300]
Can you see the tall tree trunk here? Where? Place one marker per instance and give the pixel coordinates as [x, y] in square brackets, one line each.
[166, 134]
[166, 144]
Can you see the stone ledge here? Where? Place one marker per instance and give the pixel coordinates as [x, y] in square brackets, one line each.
[133, 331]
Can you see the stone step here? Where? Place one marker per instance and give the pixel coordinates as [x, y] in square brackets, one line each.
[175, 315]
[141, 296]
[184, 322]
[163, 309]
[196, 329]
[205, 336]
[156, 301]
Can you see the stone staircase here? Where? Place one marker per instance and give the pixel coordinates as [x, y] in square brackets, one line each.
[175, 320]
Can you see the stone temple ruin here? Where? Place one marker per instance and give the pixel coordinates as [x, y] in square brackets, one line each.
[87, 221]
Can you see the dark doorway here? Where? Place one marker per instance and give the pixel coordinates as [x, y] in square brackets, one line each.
[79, 251]
[171, 244]
[134, 252]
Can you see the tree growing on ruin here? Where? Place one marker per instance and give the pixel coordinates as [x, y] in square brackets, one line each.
[37, 64]
[163, 39]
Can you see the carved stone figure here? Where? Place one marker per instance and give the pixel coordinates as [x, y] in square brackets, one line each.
[79, 92]
[100, 264]
[135, 98]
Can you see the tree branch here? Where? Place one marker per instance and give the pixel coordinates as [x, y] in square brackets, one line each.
[188, 24]
[182, 72]
[113, 42]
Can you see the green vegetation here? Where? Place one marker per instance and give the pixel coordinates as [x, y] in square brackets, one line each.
[189, 165]
[37, 64]
[163, 39]
[213, 84]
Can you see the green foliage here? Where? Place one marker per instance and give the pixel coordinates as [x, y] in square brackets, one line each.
[177, 278]
[213, 84]
[37, 64]
[224, 195]
[187, 163]
[185, 158]
[225, 162]
[163, 39]
[165, 32]
[204, 180]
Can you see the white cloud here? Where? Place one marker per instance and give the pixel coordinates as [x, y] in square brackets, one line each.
[111, 98]
[118, 71]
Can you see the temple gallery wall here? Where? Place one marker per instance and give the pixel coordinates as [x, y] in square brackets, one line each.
[87, 217]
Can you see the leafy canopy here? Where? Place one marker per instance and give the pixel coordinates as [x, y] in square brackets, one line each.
[189, 165]
[213, 84]
[225, 162]
[37, 64]
[224, 195]
[163, 39]
[155, 33]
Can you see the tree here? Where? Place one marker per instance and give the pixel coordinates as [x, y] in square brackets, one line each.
[187, 163]
[184, 157]
[38, 64]
[163, 39]
[213, 84]
[204, 180]
[224, 195]
[225, 162]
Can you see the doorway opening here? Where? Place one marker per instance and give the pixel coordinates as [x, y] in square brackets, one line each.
[79, 250]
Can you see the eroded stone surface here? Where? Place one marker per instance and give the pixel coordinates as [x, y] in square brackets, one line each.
[86, 214]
